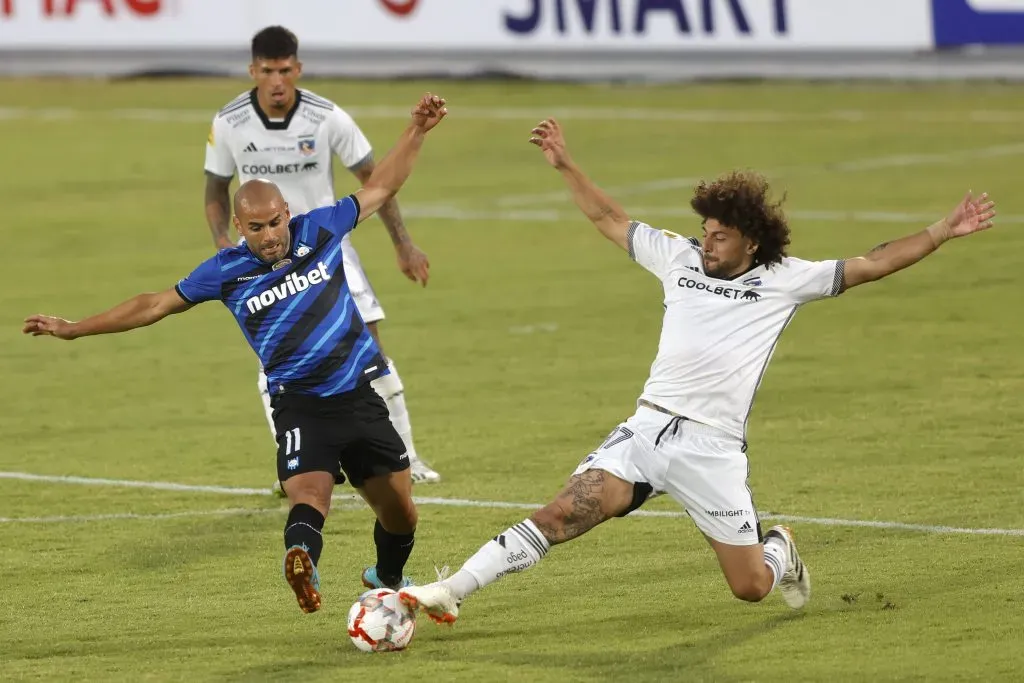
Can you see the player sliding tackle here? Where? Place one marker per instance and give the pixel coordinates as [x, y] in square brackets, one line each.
[287, 289]
[727, 299]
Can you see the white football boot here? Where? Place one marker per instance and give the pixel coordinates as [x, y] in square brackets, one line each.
[421, 472]
[436, 599]
[795, 584]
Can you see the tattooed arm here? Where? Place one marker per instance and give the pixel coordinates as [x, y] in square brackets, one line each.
[218, 209]
[411, 261]
[970, 216]
[389, 212]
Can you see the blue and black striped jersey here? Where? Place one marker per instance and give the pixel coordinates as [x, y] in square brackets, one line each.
[298, 315]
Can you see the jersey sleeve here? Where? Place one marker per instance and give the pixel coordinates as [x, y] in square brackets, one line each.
[655, 249]
[340, 219]
[203, 283]
[347, 139]
[806, 281]
[219, 160]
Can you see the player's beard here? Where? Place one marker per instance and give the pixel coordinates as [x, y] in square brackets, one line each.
[279, 252]
[721, 270]
[712, 268]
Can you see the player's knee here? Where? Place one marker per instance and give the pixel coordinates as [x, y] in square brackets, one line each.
[748, 589]
[309, 495]
[410, 517]
[400, 518]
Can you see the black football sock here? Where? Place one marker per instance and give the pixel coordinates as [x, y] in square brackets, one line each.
[393, 552]
[304, 528]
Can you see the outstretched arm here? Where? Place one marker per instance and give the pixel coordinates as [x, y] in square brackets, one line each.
[139, 311]
[392, 172]
[970, 216]
[603, 211]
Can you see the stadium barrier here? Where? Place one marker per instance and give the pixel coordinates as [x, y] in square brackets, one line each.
[573, 38]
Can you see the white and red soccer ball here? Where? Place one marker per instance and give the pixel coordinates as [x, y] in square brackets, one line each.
[379, 622]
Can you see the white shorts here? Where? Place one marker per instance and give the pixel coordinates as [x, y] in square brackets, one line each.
[359, 285]
[700, 467]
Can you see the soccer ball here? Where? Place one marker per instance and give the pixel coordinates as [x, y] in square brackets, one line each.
[379, 622]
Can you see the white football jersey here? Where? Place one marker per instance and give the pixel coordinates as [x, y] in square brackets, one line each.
[718, 335]
[294, 152]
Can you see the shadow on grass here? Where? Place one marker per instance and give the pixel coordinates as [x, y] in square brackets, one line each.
[489, 652]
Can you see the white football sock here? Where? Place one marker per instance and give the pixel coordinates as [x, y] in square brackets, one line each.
[514, 550]
[268, 410]
[392, 391]
[775, 558]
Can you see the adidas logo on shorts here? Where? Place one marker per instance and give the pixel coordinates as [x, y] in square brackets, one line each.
[746, 528]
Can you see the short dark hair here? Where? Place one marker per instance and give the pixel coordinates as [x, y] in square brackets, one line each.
[274, 42]
[740, 200]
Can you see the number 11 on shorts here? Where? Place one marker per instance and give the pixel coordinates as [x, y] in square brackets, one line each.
[292, 441]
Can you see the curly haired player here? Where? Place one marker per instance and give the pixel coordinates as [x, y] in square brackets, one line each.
[727, 300]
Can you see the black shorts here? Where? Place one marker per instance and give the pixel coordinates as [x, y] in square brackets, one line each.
[348, 434]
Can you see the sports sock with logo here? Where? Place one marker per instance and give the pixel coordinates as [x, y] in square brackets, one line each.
[393, 552]
[514, 550]
[775, 558]
[305, 528]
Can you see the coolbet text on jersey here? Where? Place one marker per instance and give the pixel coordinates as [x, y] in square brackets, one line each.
[294, 152]
[718, 335]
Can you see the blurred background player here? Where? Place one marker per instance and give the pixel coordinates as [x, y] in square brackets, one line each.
[287, 135]
[286, 286]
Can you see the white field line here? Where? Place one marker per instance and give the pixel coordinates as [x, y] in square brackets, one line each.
[534, 114]
[533, 329]
[127, 483]
[849, 166]
[641, 212]
[60, 519]
[454, 213]
[449, 502]
[224, 512]
[618, 192]
[702, 116]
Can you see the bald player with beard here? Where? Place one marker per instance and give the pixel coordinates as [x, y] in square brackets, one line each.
[286, 287]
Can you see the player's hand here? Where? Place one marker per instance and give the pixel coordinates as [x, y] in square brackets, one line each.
[224, 243]
[413, 262]
[39, 325]
[971, 215]
[548, 136]
[428, 112]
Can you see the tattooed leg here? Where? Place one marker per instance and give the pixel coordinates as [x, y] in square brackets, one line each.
[588, 499]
